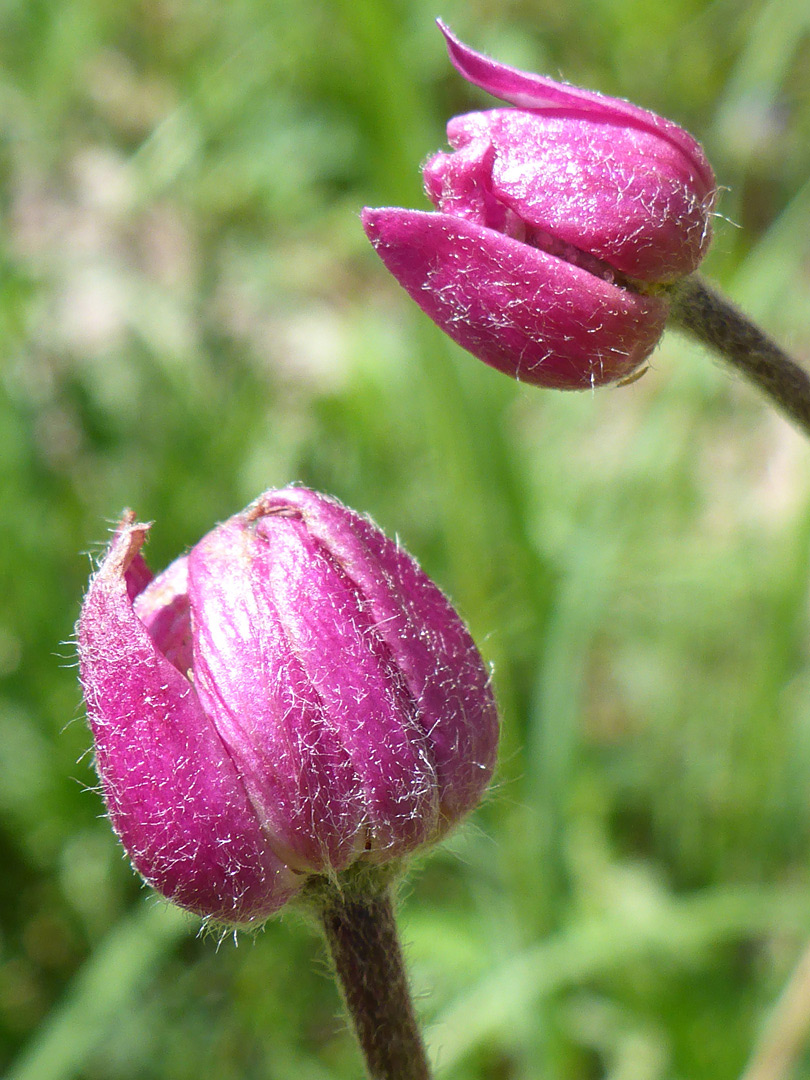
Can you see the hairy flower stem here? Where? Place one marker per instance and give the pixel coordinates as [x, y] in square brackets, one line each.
[361, 933]
[699, 310]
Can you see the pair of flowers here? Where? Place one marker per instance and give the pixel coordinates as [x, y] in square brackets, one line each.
[294, 696]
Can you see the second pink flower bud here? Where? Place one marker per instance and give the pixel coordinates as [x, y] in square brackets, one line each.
[292, 697]
[556, 223]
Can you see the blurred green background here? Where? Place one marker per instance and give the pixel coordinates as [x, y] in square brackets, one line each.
[190, 313]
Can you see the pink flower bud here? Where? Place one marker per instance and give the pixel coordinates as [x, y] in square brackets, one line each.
[292, 696]
[557, 222]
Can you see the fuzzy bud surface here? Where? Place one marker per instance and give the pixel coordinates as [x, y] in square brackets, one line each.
[557, 222]
[292, 697]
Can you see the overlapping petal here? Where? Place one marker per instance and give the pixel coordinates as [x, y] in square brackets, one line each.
[174, 796]
[519, 309]
[537, 92]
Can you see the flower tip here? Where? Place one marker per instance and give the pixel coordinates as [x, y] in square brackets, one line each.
[450, 37]
[392, 231]
[128, 539]
[471, 65]
[375, 219]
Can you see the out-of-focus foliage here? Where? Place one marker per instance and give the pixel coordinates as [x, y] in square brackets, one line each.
[189, 313]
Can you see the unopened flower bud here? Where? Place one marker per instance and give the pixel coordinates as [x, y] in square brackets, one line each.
[557, 223]
[292, 697]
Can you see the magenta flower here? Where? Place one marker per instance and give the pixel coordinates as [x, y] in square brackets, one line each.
[291, 697]
[557, 222]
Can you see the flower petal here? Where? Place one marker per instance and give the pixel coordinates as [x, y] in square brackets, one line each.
[288, 664]
[519, 309]
[163, 609]
[428, 643]
[172, 792]
[621, 194]
[529, 91]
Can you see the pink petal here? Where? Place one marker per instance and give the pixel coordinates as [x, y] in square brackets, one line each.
[624, 194]
[520, 310]
[315, 714]
[163, 609]
[529, 91]
[428, 643]
[172, 792]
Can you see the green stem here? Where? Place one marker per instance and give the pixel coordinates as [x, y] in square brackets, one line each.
[706, 315]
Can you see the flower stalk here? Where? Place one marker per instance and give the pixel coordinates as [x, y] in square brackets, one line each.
[357, 918]
[703, 313]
